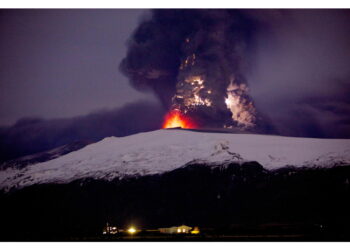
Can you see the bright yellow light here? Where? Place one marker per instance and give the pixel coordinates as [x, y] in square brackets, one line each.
[131, 230]
[195, 230]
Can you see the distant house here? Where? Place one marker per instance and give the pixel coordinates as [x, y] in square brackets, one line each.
[183, 229]
[110, 229]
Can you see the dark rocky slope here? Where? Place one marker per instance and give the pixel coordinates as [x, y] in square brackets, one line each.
[231, 199]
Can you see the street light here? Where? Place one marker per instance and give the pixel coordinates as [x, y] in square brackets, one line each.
[131, 230]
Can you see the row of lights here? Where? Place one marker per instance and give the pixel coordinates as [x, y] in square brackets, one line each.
[132, 230]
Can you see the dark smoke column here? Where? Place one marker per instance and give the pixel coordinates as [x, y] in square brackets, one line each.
[192, 59]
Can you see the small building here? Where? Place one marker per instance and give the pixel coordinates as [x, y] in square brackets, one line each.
[183, 229]
[110, 229]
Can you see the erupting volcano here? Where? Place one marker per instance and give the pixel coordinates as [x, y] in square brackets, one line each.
[175, 119]
[194, 60]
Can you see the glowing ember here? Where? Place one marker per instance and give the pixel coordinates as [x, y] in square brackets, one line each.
[175, 119]
[191, 93]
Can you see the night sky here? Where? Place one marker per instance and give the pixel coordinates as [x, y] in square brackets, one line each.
[60, 79]
[63, 63]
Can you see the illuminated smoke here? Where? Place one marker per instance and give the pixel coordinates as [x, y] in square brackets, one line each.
[189, 58]
[242, 108]
[191, 93]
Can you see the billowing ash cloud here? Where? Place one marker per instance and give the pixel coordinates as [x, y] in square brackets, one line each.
[279, 71]
[194, 60]
[33, 135]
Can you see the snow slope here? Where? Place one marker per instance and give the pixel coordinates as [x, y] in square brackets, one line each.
[51, 154]
[164, 150]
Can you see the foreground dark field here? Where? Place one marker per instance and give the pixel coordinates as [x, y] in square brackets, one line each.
[235, 203]
[241, 233]
[261, 233]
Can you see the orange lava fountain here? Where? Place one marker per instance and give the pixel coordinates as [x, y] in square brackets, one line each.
[175, 119]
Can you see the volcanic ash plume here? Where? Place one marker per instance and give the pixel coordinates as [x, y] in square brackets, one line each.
[194, 60]
[242, 108]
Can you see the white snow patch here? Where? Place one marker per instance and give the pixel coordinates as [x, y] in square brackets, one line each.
[164, 150]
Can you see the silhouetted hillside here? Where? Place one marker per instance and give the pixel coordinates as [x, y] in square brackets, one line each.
[311, 201]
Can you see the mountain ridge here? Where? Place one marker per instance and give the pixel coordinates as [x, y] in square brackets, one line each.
[161, 151]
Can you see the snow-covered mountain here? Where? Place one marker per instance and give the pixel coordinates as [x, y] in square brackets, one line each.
[165, 150]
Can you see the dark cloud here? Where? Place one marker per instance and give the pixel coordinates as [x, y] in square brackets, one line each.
[300, 73]
[173, 46]
[32, 135]
[296, 62]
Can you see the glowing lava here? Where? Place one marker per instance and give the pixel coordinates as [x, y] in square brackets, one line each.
[175, 119]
